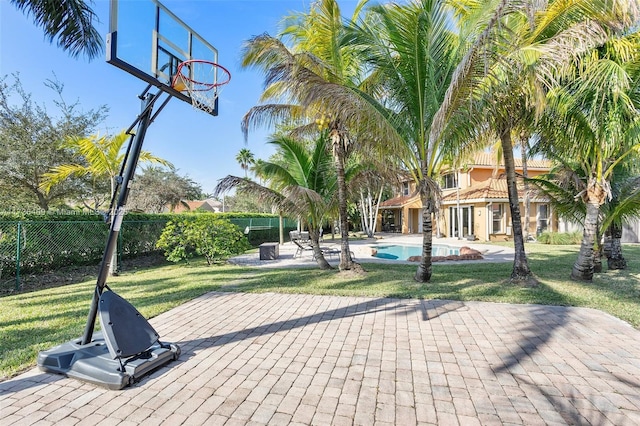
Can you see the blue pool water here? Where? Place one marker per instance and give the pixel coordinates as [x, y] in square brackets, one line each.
[399, 252]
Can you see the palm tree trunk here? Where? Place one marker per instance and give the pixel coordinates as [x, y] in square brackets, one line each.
[346, 262]
[423, 274]
[521, 273]
[527, 199]
[606, 246]
[583, 267]
[314, 237]
[597, 259]
[597, 252]
[615, 259]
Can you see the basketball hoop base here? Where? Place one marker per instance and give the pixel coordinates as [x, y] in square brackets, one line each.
[92, 362]
[127, 348]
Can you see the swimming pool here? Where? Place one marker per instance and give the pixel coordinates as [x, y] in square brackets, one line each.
[402, 252]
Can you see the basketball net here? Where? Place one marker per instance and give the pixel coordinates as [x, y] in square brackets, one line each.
[201, 81]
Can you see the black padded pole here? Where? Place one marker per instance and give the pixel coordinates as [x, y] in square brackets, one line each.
[143, 121]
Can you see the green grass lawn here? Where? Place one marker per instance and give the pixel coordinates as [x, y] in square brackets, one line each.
[30, 322]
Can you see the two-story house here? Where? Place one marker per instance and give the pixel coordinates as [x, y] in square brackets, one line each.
[475, 203]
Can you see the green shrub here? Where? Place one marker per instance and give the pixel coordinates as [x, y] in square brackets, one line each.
[205, 235]
[139, 237]
[560, 238]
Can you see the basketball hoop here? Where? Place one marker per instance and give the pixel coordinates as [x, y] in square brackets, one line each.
[200, 79]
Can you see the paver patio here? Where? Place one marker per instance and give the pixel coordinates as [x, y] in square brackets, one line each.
[300, 359]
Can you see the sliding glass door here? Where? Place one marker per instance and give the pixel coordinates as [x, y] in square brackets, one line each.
[465, 218]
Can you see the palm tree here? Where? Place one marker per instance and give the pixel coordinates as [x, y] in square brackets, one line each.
[598, 109]
[302, 185]
[413, 53]
[315, 78]
[71, 22]
[245, 159]
[531, 48]
[521, 139]
[430, 72]
[623, 206]
[567, 180]
[100, 158]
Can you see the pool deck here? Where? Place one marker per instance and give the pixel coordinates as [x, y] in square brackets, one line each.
[284, 359]
[362, 251]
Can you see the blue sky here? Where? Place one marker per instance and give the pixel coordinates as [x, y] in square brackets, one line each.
[199, 145]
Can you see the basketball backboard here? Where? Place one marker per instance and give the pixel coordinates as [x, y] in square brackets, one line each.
[149, 41]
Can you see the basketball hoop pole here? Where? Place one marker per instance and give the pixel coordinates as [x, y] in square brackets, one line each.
[143, 121]
[127, 348]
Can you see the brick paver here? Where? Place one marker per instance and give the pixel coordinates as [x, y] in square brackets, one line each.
[273, 359]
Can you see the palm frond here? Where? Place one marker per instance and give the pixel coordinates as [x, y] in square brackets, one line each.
[561, 191]
[71, 22]
[243, 185]
[459, 87]
[61, 173]
[269, 115]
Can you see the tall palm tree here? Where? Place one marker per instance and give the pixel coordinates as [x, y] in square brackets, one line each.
[100, 158]
[411, 48]
[312, 80]
[533, 44]
[521, 140]
[302, 185]
[598, 109]
[245, 158]
[412, 52]
[71, 22]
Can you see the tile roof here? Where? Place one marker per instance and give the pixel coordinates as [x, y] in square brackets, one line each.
[491, 189]
[399, 201]
[489, 159]
[192, 205]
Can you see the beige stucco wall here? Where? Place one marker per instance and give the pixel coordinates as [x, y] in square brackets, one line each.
[409, 216]
[481, 223]
[412, 216]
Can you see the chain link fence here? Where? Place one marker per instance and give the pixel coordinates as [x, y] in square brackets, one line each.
[36, 247]
[264, 229]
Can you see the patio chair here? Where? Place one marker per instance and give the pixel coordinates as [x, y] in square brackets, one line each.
[302, 242]
[328, 251]
[332, 251]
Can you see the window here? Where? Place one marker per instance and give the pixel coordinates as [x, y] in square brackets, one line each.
[543, 217]
[498, 213]
[405, 188]
[449, 181]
